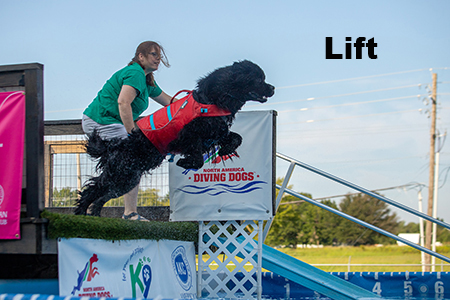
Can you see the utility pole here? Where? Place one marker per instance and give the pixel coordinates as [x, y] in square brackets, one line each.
[432, 171]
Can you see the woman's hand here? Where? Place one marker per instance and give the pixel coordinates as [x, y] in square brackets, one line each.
[126, 96]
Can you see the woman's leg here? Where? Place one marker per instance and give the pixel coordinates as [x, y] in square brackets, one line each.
[106, 132]
[130, 205]
[130, 201]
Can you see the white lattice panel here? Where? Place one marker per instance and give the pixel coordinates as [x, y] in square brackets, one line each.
[229, 260]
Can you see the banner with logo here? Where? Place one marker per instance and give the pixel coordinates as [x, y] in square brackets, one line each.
[132, 268]
[230, 188]
[12, 132]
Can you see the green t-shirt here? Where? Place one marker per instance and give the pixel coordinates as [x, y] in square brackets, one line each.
[105, 108]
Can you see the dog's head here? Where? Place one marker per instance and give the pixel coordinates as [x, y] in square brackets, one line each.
[230, 87]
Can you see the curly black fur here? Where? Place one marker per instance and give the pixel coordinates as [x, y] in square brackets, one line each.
[122, 162]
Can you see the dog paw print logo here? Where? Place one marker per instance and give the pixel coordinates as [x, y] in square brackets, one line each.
[87, 274]
[181, 268]
[143, 271]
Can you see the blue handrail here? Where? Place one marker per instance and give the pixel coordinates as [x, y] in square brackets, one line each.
[284, 189]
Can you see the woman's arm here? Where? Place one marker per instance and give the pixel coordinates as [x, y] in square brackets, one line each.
[163, 99]
[126, 96]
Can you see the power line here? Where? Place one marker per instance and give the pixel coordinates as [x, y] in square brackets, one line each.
[349, 79]
[366, 129]
[353, 117]
[362, 77]
[340, 95]
[335, 133]
[371, 161]
[353, 103]
[446, 170]
[413, 185]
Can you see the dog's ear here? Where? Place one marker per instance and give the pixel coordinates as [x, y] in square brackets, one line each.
[247, 67]
[243, 62]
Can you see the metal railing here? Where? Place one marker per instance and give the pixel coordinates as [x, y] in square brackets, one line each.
[283, 189]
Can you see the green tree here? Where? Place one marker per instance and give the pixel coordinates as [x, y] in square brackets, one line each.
[164, 201]
[411, 227]
[283, 229]
[325, 223]
[299, 222]
[64, 197]
[286, 225]
[443, 234]
[148, 197]
[370, 210]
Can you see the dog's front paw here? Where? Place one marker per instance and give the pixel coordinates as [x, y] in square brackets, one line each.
[229, 145]
[225, 151]
[189, 163]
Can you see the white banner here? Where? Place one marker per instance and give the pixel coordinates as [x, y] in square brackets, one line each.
[237, 188]
[133, 268]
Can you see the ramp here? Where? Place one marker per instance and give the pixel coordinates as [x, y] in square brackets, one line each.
[312, 277]
[309, 276]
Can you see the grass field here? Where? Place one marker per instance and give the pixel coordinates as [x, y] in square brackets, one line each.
[367, 255]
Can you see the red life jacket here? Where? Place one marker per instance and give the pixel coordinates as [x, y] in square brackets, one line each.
[163, 125]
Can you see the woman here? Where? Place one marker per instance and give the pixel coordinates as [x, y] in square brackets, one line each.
[122, 99]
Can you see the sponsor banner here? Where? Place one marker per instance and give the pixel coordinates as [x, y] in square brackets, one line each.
[133, 268]
[12, 132]
[229, 188]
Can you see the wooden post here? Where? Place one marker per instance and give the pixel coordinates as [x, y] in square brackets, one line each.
[34, 140]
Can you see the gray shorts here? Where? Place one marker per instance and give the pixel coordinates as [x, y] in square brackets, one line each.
[105, 131]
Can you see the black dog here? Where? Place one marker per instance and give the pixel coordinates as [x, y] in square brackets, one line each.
[122, 162]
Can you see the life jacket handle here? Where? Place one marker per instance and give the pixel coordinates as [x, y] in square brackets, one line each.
[182, 91]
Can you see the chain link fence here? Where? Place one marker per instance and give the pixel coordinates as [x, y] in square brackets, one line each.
[67, 167]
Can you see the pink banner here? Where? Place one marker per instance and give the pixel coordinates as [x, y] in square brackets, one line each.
[12, 129]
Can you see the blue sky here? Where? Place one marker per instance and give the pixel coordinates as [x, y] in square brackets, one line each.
[367, 130]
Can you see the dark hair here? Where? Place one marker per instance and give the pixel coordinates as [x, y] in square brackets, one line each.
[146, 48]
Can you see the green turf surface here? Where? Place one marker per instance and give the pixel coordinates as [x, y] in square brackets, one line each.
[72, 226]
